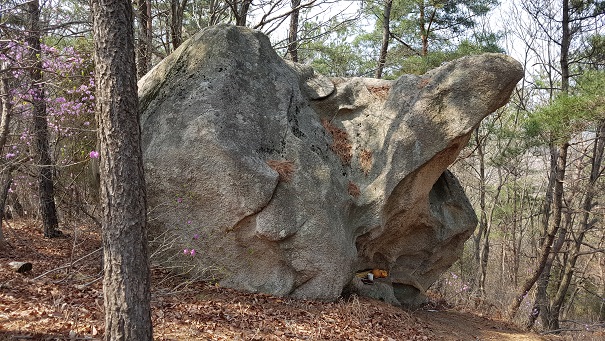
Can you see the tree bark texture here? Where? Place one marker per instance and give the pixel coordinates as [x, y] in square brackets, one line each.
[5, 169]
[550, 313]
[542, 303]
[5, 104]
[481, 239]
[565, 44]
[177, 10]
[144, 38]
[386, 35]
[425, 24]
[586, 224]
[553, 229]
[6, 180]
[545, 279]
[240, 10]
[46, 192]
[126, 282]
[293, 32]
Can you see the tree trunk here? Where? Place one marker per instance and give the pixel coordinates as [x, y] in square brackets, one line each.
[216, 12]
[541, 303]
[553, 229]
[424, 35]
[46, 192]
[241, 12]
[126, 282]
[386, 34]
[5, 182]
[482, 237]
[144, 48]
[5, 104]
[585, 224]
[550, 317]
[425, 24]
[293, 34]
[565, 44]
[542, 297]
[5, 173]
[176, 22]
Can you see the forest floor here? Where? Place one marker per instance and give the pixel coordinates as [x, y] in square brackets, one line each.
[61, 298]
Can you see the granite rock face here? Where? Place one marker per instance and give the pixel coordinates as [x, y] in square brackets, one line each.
[288, 182]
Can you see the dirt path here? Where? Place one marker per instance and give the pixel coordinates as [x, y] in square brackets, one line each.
[453, 325]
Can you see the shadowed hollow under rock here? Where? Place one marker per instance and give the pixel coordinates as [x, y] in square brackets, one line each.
[288, 182]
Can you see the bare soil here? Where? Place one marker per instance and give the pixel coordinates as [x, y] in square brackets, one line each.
[61, 298]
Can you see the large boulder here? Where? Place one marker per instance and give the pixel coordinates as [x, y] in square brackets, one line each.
[287, 182]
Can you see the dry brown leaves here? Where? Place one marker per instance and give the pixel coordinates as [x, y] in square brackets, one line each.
[341, 145]
[353, 190]
[59, 302]
[284, 168]
[62, 299]
[423, 82]
[365, 160]
[379, 91]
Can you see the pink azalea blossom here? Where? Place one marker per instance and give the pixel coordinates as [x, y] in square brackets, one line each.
[94, 154]
[193, 252]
